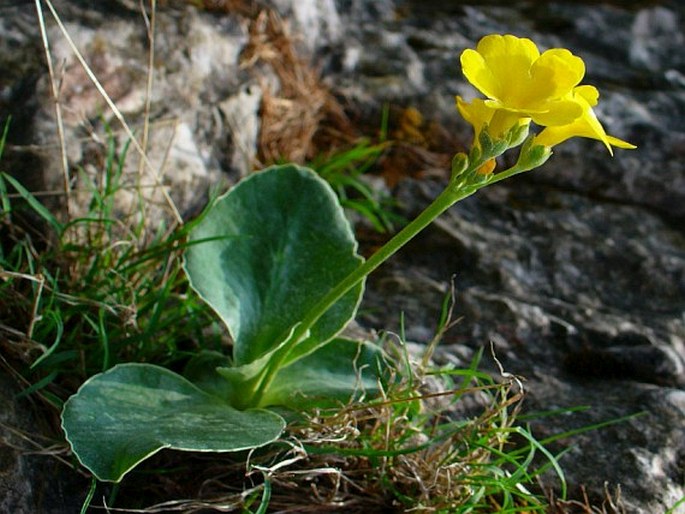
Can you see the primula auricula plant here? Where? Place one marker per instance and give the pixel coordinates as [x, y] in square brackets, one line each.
[276, 259]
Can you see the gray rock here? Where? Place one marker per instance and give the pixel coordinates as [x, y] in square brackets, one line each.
[315, 22]
[576, 272]
[196, 74]
[582, 300]
[31, 482]
[638, 103]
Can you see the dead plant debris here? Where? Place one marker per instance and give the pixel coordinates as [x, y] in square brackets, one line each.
[299, 109]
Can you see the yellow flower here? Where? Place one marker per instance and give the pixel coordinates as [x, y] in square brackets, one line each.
[516, 78]
[587, 125]
[479, 114]
[521, 85]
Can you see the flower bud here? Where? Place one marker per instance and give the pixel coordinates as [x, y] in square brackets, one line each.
[460, 163]
[532, 155]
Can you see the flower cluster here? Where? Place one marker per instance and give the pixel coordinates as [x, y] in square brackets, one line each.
[522, 85]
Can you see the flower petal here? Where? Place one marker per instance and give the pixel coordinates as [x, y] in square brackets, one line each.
[478, 73]
[480, 113]
[559, 112]
[587, 93]
[499, 67]
[477, 113]
[552, 136]
[555, 73]
[503, 121]
[620, 143]
[586, 126]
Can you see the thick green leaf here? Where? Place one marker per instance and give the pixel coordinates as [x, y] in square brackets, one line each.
[123, 416]
[201, 370]
[339, 371]
[267, 252]
[336, 372]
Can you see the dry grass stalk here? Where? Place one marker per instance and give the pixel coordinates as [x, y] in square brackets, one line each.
[293, 116]
[248, 8]
[93, 80]
[612, 503]
[372, 469]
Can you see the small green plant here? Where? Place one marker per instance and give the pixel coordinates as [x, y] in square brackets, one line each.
[82, 295]
[252, 258]
[276, 260]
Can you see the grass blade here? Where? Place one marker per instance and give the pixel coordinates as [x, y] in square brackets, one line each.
[33, 202]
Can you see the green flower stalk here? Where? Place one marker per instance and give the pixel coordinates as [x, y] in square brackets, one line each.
[522, 87]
